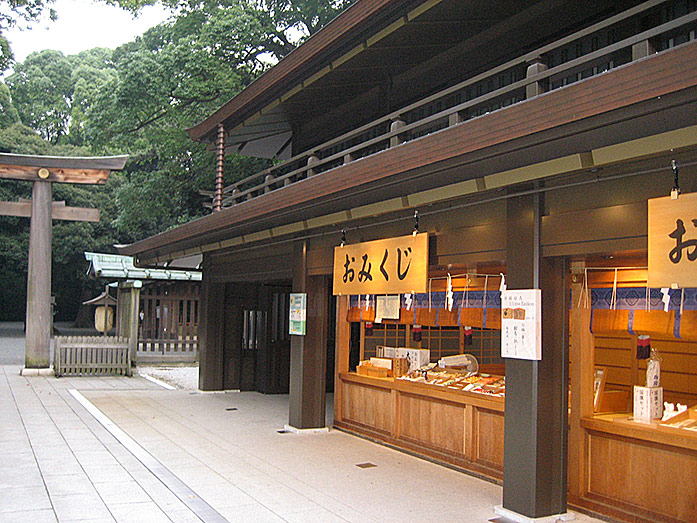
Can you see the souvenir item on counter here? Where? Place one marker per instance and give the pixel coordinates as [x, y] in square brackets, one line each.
[643, 347]
[684, 418]
[463, 362]
[653, 370]
[468, 335]
[416, 357]
[457, 380]
[670, 410]
[416, 333]
[366, 368]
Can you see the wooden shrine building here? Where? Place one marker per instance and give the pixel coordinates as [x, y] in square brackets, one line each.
[157, 309]
[535, 141]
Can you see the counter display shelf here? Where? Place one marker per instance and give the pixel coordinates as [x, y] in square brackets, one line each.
[458, 381]
[630, 463]
[435, 420]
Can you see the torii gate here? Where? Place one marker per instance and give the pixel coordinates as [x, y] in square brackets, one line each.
[43, 171]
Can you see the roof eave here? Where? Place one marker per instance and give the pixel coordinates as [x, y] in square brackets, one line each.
[294, 66]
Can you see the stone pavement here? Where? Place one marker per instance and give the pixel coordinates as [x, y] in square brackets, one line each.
[180, 456]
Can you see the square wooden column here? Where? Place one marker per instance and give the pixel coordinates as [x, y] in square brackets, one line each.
[210, 334]
[128, 310]
[535, 444]
[308, 353]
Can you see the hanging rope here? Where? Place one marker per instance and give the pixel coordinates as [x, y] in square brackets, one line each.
[588, 290]
[465, 293]
[429, 294]
[613, 300]
[583, 295]
[486, 285]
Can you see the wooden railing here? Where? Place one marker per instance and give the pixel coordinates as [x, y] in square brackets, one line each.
[91, 356]
[581, 55]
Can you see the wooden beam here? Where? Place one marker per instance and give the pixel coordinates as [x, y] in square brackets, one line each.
[65, 162]
[59, 169]
[59, 211]
[30, 174]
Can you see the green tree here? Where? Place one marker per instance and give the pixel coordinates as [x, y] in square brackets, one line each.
[42, 91]
[91, 73]
[20, 139]
[8, 113]
[15, 12]
[139, 99]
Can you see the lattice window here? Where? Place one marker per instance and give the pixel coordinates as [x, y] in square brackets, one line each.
[384, 335]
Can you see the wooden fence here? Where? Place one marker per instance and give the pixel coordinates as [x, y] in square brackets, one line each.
[91, 356]
[169, 325]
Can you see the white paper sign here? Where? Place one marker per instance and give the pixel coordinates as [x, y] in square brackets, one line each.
[298, 314]
[521, 324]
[648, 403]
[386, 308]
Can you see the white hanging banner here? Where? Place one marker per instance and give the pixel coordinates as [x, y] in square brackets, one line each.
[521, 324]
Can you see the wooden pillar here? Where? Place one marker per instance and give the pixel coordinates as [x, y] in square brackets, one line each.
[539, 87]
[38, 319]
[535, 474]
[581, 365]
[128, 307]
[134, 321]
[342, 351]
[211, 325]
[642, 49]
[455, 118]
[308, 353]
[312, 160]
[396, 125]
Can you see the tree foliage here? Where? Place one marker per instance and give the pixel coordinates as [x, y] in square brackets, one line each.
[137, 99]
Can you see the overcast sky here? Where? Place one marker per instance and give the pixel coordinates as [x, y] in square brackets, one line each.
[82, 24]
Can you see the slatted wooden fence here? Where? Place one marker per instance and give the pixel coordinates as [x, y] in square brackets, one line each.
[169, 326]
[91, 356]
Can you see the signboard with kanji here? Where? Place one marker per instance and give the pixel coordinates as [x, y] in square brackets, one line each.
[391, 266]
[673, 241]
[521, 324]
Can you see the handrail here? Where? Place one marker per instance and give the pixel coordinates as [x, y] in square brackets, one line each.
[241, 190]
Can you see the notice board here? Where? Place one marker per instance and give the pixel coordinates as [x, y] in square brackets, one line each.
[521, 324]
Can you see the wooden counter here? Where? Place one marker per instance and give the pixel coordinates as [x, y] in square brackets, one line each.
[639, 471]
[459, 428]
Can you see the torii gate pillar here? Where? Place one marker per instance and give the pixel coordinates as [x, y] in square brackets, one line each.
[43, 171]
[39, 321]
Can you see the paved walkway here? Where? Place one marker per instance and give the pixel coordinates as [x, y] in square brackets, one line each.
[181, 456]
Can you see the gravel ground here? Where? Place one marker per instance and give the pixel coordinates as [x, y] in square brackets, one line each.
[182, 377]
